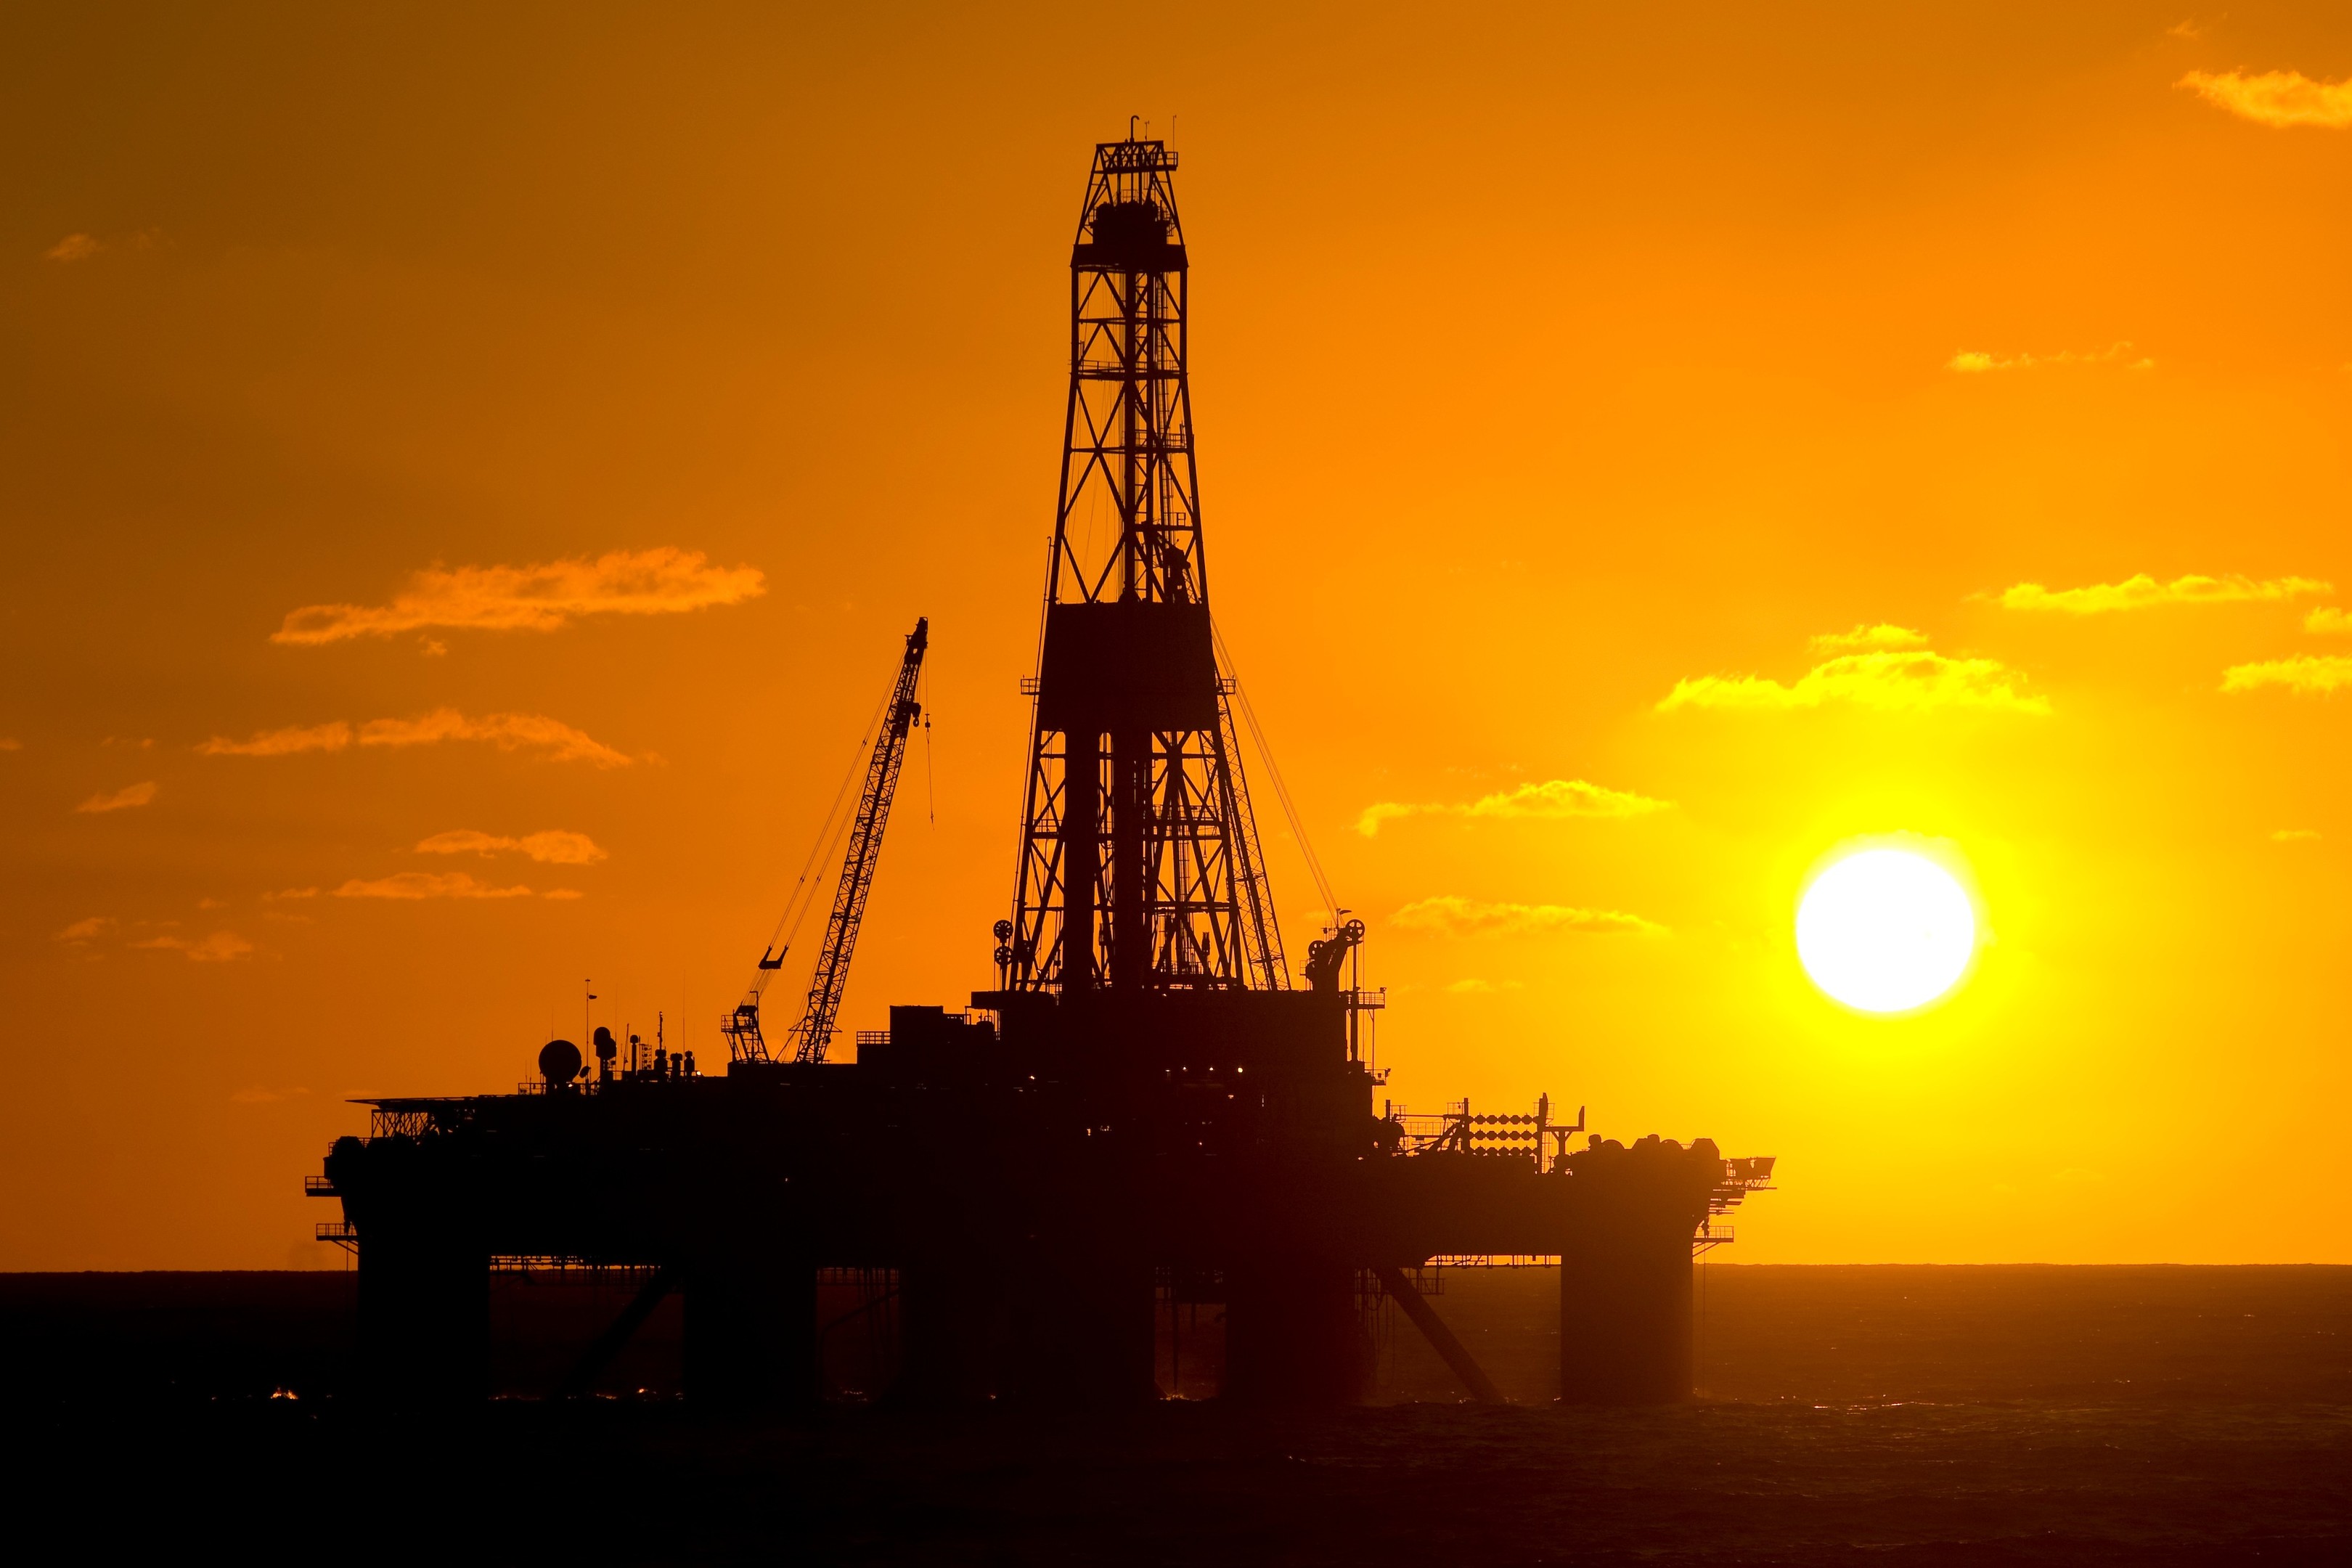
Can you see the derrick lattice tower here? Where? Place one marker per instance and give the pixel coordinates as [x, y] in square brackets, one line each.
[1141, 868]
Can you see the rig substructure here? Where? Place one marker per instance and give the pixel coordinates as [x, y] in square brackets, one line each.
[1144, 1102]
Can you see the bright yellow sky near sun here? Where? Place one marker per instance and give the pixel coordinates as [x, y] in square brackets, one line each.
[1628, 436]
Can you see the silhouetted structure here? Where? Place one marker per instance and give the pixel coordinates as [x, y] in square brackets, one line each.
[1142, 1104]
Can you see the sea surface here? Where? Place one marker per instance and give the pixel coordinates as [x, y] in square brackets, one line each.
[1882, 1415]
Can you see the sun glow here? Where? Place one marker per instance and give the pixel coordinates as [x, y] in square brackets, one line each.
[1886, 931]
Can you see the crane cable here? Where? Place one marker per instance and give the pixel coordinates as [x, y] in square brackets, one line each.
[1274, 772]
[829, 835]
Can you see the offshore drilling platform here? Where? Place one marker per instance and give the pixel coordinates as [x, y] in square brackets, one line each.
[1146, 1106]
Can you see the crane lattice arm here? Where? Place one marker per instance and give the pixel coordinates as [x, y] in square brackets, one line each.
[815, 1029]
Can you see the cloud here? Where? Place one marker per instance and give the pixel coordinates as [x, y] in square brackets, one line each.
[1865, 637]
[1976, 362]
[563, 894]
[553, 846]
[2321, 673]
[2143, 592]
[284, 743]
[123, 799]
[1474, 986]
[1908, 682]
[74, 247]
[2327, 621]
[85, 931]
[428, 885]
[1551, 800]
[1454, 916]
[533, 598]
[2296, 836]
[10, 743]
[508, 731]
[2276, 99]
[293, 893]
[219, 948]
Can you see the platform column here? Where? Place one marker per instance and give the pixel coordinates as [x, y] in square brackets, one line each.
[1292, 1333]
[424, 1316]
[951, 1316]
[751, 1330]
[1625, 1320]
[1084, 1331]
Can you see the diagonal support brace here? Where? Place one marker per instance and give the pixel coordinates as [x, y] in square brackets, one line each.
[1441, 1337]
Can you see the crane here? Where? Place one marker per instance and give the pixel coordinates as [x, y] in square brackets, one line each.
[814, 1029]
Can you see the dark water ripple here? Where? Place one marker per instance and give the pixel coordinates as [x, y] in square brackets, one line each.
[1908, 1417]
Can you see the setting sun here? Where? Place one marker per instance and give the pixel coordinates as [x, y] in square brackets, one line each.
[1886, 931]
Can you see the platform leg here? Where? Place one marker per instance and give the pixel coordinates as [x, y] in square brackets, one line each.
[1292, 1333]
[950, 1311]
[424, 1318]
[1084, 1332]
[751, 1332]
[1625, 1321]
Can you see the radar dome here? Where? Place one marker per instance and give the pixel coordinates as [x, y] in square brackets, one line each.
[559, 1061]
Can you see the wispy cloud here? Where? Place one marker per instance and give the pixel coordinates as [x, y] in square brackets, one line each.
[88, 930]
[123, 799]
[10, 743]
[1454, 916]
[413, 884]
[2280, 100]
[1473, 986]
[533, 598]
[2327, 621]
[508, 731]
[1977, 362]
[74, 247]
[555, 846]
[1908, 682]
[2296, 836]
[220, 947]
[284, 743]
[1551, 800]
[2143, 593]
[1864, 638]
[2322, 673]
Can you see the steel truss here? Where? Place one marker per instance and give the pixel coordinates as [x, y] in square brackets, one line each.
[1149, 872]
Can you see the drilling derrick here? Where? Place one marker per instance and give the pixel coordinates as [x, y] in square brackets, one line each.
[1139, 865]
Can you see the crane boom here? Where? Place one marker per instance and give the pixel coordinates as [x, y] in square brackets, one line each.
[815, 1029]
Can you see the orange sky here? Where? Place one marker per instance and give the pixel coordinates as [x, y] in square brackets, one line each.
[1546, 360]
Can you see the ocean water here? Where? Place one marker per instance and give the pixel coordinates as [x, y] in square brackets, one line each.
[1853, 1415]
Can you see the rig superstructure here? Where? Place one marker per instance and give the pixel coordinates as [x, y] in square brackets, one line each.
[1144, 1105]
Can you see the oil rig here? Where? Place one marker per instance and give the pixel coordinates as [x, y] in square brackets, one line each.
[1146, 1105]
